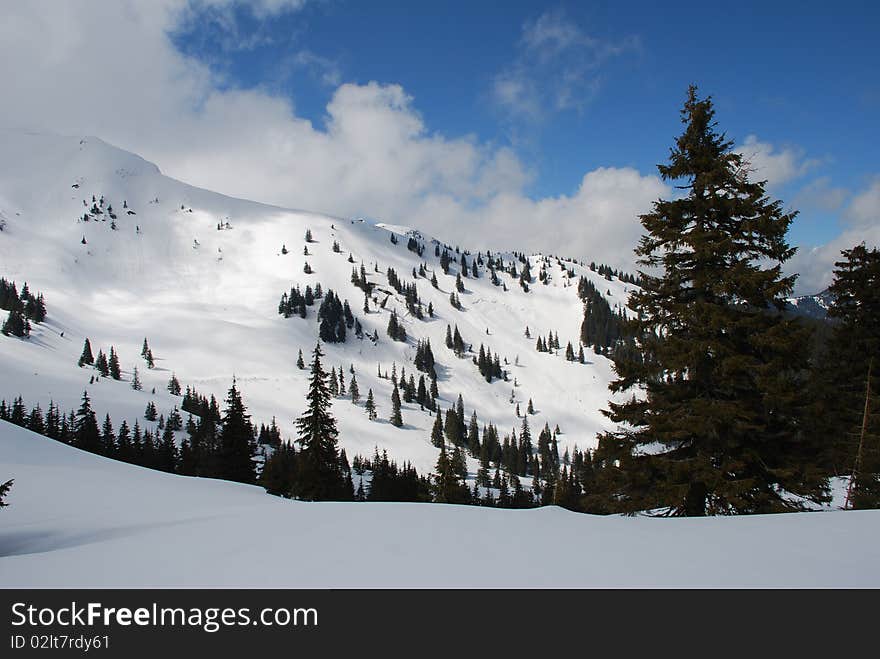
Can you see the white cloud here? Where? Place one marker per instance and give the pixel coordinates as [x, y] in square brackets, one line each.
[109, 69]
[864, 209]
[777, 166]
[862, 224]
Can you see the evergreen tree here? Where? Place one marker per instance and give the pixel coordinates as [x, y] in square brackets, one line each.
[136, 380]
[320, 476]
[447, 484]
[370, 406]
[396, 419]
[237, 446]
[113, 364]
[174, 385]
[4, 492]
[353, 390]
[108, 438]
[86, 357]
[16, 325]
[721, 368]
[437, 429]
[300, 364]
[848, 401]
[85, 428]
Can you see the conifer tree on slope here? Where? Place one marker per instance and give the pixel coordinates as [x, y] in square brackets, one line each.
[86, 357]
[86, 432]
[237, 446]
[370, 406]
[320, 477]
[4, 490]
[722, 368]
[396, 419]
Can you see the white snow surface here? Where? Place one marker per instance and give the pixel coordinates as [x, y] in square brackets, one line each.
[207, 301]
[80, 520]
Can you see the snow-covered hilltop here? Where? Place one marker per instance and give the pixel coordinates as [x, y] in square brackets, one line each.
[121, 253]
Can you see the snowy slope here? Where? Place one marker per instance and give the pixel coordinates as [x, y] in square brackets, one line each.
[80, 520]
[207, 300]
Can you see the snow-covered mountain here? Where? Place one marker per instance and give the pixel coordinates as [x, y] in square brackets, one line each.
[122, 252]
[813, 306]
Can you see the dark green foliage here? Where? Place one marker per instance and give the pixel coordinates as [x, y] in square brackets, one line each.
[847, 383]
[601, 328]
[396, 419]
[723, 370]
[113, 365]
[332, 318]
[26, 305]
[370, 406]
[86, 357]
[424, 359]
[136, 380]
[4, 492]
[437, 429]
[448, 486]
[174, 385]
[237, 446]
[489, 367]
[391, 482]
[396, 330]
[87, 436]
[320, 477]
[16, 325]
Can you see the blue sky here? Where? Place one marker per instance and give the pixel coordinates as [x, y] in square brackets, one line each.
[534, 126]
[801, 76]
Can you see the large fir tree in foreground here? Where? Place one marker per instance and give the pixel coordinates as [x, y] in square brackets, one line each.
[320, 476]
[718, 429]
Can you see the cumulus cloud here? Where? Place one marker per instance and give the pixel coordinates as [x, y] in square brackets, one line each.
[861, 223]
[775, 165]
[864, 209]
[110, 69]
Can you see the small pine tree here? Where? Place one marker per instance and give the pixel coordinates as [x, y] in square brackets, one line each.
[396, 419]
[174, 385]
[86, 357]
[136, 380]
[4, 492]
[370, 406]
[353, 390]
[113, 364]
[300, 364]
[101, 364]
[437, 429]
